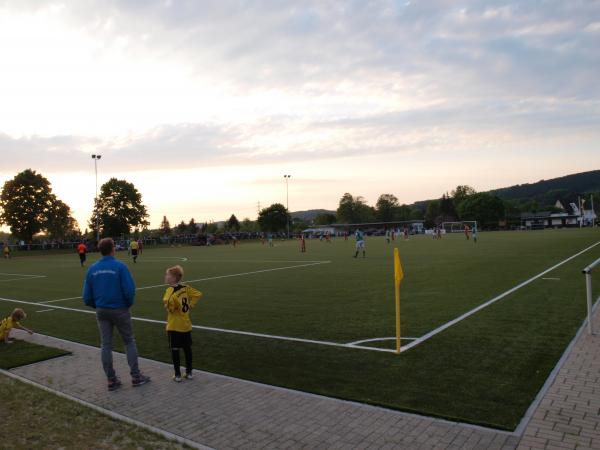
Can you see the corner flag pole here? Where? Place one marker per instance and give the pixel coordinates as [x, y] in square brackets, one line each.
[398, 276]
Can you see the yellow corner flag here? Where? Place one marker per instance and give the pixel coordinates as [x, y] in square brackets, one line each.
[398, 276]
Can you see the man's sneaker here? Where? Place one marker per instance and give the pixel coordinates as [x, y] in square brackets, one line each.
[188, 376]
[177, 378]
[114, 384]
[140, 379]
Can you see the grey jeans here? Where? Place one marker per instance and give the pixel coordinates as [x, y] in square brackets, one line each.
[121, 319]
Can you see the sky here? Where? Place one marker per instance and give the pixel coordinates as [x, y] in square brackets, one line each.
[205, 105]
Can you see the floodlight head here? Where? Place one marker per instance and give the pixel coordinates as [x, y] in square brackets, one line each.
[93, 156]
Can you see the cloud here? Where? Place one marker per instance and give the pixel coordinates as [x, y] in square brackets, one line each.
[153, 84]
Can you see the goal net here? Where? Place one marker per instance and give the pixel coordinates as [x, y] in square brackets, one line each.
[459, 227]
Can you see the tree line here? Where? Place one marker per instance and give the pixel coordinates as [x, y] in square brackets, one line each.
[29, 207]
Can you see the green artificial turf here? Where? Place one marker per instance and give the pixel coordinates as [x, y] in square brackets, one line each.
[20, 353]
[486, 369]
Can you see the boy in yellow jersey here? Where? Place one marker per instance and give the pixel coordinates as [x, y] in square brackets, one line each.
[6, 251]
[179, 299]
[10, 322]
[134, 246]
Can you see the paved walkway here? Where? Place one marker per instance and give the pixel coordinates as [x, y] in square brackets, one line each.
[227, 413]
[568, 417]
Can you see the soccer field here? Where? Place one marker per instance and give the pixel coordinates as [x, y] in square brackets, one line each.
[323, 322]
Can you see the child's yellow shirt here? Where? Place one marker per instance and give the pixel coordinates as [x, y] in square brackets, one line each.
[6, 325]
[178, 301]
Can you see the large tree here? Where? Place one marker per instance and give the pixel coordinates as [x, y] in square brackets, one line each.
[432, 213]
[59, 222]
[461, 193]
[29, 207]
[233, 223]
[354, 210]
[119, 209]
[274, 218]
[325, 219]
[165, 227]
[486, 209]
[192, 227]
[386, 208]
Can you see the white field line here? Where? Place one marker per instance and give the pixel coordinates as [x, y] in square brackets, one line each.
[21, 274]
[220, 330]
[59, 300]
[158, 259]
[364, 341]
[293, 261]
[23, 278]
[45, 310]
[492, 301]
[551, 278]
[206, 279]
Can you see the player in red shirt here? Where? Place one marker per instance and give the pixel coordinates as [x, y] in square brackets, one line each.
[81, 250]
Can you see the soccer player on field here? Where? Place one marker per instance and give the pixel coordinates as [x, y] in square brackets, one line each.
[302, 243]
[360, 243]
[475, 234]
[6, 251]
[178, 300]
[387, 236]
[10, 322]
[134, 246]
[467, 231]
[81, 250]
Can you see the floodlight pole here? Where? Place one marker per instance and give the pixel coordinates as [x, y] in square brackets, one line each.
[96, 158]
[287, 203]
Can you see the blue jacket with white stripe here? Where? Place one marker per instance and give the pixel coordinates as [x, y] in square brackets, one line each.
[108, 284]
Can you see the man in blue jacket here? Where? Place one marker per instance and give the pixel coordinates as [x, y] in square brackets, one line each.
[110, 290]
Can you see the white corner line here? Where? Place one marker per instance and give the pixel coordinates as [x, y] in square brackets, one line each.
[219, 330]
[492, 301]
[364, 341]
[24, 278]
[166, 434]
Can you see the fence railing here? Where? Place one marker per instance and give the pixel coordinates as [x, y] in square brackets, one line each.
[589, 296]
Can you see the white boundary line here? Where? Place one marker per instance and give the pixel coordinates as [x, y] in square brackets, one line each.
[45, 310]
[364, 341]
[220, 330]
[492, 301]
[205, 279]
[166, 434]
[21, 274]
[22, 277]
[29, 277]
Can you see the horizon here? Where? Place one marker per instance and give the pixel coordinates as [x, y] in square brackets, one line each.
[205, 106]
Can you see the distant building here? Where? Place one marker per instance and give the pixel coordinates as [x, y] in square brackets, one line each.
[546, 219]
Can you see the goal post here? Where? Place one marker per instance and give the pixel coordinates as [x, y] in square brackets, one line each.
[459, 227]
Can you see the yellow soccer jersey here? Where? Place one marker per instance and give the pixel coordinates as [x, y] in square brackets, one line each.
[6, 325]
[134, 245]
[178, 301]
